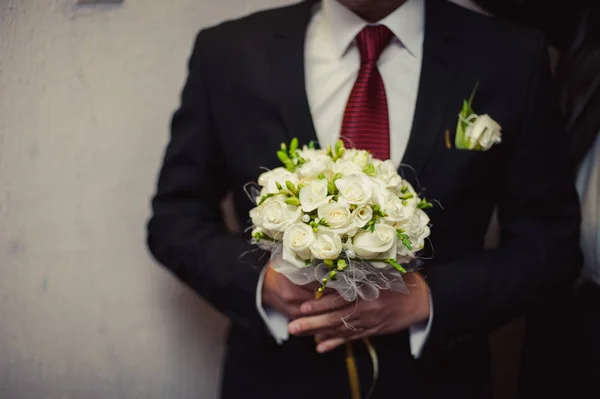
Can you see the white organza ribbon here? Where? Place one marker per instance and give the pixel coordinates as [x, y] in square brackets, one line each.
[359, 279]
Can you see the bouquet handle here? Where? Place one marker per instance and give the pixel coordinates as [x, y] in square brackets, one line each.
[351, 368]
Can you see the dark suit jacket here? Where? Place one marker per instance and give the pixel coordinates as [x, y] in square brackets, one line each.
[245, 94]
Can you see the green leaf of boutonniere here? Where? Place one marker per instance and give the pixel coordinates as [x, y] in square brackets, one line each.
[467, 110]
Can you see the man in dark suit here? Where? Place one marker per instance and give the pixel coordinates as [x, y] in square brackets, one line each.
[264, 79]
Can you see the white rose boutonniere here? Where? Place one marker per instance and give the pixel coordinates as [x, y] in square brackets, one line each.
[476, 132]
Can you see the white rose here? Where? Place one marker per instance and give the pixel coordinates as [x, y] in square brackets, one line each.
[380, 244]
[385, 170]
[396, 210]
[297, 240]
[360, 157]
[314, 166]
[256, 216]
[417, 229]
[387, 173]
[326, 245]
[362, 215]
[277, 216]
[483, 133]
[269, 180]
[337, 217]
[314, 195]
[355, 189]
[346, 168]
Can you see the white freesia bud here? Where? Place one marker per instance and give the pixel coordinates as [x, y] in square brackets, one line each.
[337, 217]
[314, 166]
[360, 157]
[297, 240]
[483, 133]
[380, 244]
[346, 168]
[306, 218]
[355, 189]
[268, 180]
[277, 216]
[314, 195]
[362, 215]
[326, 245]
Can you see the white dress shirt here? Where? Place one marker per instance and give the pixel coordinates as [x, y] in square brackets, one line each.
[588, 186]
[332, 62]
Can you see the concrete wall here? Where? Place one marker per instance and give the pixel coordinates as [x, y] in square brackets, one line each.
[85, 99]
[86, 94]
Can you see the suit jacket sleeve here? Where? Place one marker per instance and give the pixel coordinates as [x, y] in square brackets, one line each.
[539, 216]
[186, 232]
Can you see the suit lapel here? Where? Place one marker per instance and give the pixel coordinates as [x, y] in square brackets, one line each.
[437, 82]
[286, 59]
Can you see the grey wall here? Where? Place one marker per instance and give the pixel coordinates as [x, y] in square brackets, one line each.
[86, 95]
[85, 99]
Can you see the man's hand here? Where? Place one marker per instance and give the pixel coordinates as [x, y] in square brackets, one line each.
[390, 313]
[284, 296]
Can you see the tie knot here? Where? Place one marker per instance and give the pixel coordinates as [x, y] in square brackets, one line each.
[371, 42]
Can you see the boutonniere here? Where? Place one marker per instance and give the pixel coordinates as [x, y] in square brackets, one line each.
[475, 132]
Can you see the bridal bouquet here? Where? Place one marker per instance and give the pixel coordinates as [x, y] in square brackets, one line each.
[340, 217]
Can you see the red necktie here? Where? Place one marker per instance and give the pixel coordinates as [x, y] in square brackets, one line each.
[366, 123]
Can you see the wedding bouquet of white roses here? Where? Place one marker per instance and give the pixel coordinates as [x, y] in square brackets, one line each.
[340, 217]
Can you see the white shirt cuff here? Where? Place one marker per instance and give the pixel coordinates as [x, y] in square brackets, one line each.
[275, 321]
[418, 333]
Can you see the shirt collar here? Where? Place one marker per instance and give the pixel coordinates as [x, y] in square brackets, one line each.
[406, 22]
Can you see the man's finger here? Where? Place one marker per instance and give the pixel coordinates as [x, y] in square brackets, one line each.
[313, 324]
[342, 331]
[327, 345]
[330, 344]
[327, 303]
